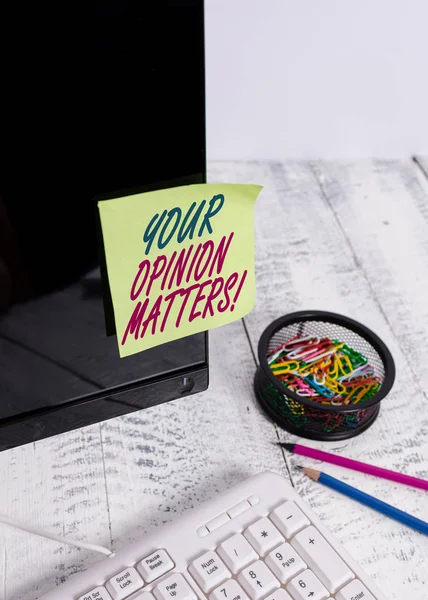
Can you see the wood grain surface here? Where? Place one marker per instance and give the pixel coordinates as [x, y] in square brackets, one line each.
[346, 237]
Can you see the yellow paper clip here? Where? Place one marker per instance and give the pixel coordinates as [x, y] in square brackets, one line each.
[284, 367]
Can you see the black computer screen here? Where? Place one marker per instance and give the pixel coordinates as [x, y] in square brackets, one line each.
[97, 101]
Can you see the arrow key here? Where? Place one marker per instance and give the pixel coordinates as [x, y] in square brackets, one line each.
[258, 581]
[307, 587]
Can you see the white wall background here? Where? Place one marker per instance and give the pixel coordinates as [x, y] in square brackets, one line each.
[316, 78]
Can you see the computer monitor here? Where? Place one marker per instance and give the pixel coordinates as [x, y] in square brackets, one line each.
[95, 105]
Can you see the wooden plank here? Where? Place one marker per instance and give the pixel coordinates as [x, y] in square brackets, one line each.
[57, 484]
[381, 208]
[304, 260]
[3, 571]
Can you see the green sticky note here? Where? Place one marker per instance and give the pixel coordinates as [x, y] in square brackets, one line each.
[179, 261]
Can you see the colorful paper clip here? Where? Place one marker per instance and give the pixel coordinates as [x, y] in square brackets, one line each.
[324, 370]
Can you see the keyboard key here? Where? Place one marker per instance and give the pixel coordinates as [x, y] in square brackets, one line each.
[238, 509]
[98, 593]
[237, 553]
[155, 565]
[289, 519]
[322, 559]
[258, 581]
[174, 587]
[285, 563]
[355, 591]
[124, 584]
[230, 590]
[209, 571]
[144, 596]
[279, 595]
[305, 586]
[263, 536]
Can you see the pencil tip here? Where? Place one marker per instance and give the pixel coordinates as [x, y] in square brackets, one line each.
[301, 467]
[289, 447]
[312, 473]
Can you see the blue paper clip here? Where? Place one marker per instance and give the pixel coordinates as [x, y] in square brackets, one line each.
[324, 391]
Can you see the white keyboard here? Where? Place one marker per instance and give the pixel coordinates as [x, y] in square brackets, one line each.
[257, 541]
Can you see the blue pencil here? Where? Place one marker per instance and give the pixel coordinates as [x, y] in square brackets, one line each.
[370, 501]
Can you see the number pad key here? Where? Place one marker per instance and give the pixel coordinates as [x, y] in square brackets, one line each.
[305, 586]
[289, 519]
[322, 559]
[209, 571]
[285, 563]
[258, 581]
[230, 590]
[353, 591]
[263, 536]
[237, 553]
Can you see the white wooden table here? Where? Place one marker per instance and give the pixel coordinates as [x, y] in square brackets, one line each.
[351, 238]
